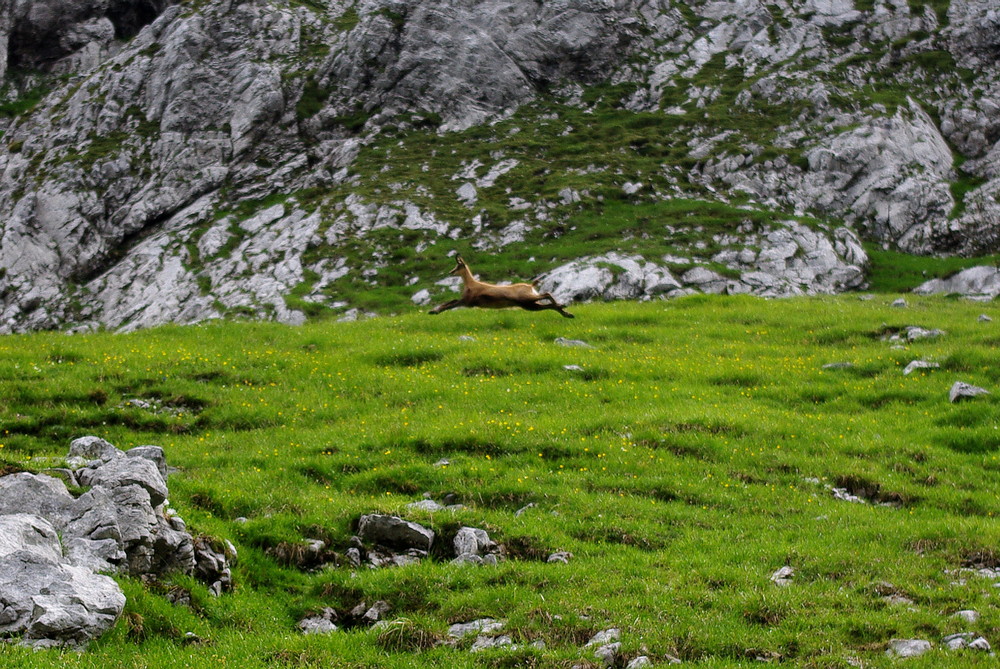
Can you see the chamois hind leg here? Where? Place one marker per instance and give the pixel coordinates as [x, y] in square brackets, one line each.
[450, 304]
[536, 305]
[555, 305]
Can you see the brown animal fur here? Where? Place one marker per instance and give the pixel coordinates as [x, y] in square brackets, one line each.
[490, 296]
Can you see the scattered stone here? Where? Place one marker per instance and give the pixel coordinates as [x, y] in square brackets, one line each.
[838, 365]
[212, 565]
[572, 343]
[466, 338]
[969, 640]
[604, 637]
[919, 364]
[394, 532]
[897, 600]
[480, 626]
[474, 546]
[523, 509]
[561, 556]
[641, 662]
[914, 333]
[367, 616]
[902, 648]
[573, 368]
[983, 318]
[421, 297]
[485, 642]
[426, 505]
[783, 576]
[899, 303]
[962, 391]
[320, 623]
[608, 654]
[443, 462]
[968, 615]
[843, 495]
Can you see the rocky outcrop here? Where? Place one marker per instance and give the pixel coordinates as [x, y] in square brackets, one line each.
[792, 260]
[983, 281]
[54, 546]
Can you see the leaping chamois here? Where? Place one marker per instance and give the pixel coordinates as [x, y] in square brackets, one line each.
[490, 296]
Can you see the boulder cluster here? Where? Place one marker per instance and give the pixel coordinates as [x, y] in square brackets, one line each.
[56, 548]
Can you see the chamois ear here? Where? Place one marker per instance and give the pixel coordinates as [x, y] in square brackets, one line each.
[459, 260]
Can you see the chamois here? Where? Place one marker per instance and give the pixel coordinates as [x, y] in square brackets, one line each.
[490, 296]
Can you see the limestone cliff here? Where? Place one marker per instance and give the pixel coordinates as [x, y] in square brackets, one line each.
[174, 162]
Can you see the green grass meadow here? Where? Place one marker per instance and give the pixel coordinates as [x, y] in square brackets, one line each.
[691, 457]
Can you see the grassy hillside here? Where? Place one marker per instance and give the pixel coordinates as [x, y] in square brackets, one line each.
[691, 457]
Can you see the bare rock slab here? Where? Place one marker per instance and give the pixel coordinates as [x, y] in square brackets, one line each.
[394, 532]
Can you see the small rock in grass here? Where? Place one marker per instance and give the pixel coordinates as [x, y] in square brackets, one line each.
[561, 556]
[907, 647]
[898, 303]
[983, 318]
[482, 625]
[572, 343]
[639, 663]
[608, 654]
[604, 637]
[425, 505]
[919, 364]
[784, 575]
[913, 333]
[484, 642]
[980, 643]
[321, 623]
[962, 391]
[845, 496]
[968, 615]
[529, 505]
[573, 368]
[838, 365]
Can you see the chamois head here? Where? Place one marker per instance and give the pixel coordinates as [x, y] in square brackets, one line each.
[459, 266]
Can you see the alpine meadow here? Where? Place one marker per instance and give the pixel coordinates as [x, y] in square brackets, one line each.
[747, 414]
[682, 458]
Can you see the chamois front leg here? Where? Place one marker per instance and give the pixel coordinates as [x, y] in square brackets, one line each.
[450, 304]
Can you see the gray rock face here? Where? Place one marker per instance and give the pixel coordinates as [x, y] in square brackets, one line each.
[498, 53]
[891, 175]
[66, 36]
[45, 599]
